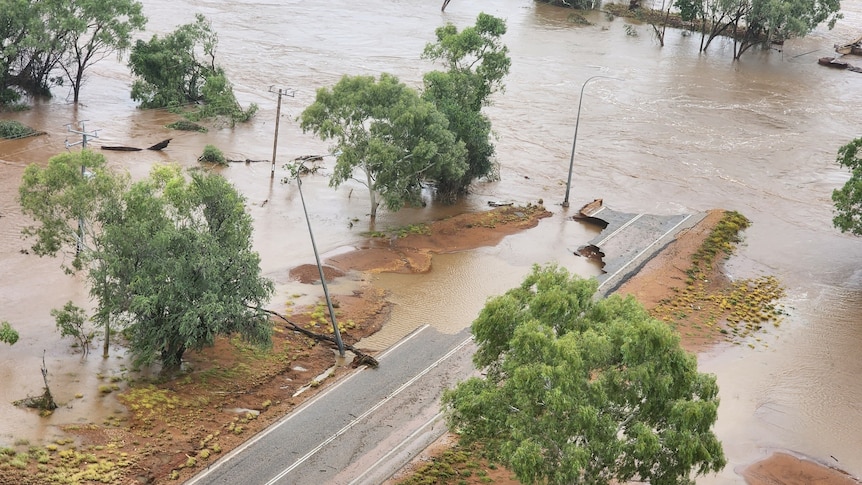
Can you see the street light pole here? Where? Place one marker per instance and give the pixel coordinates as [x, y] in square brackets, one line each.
[575, 139]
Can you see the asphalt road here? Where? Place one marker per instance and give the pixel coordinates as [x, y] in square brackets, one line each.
[630, 240]
[363, 428]
[370, 423]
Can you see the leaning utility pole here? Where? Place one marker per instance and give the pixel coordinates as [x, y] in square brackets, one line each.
[84, 134]
[335, 331]
[277, 118]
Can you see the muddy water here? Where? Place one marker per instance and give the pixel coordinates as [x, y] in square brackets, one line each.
[677, 132]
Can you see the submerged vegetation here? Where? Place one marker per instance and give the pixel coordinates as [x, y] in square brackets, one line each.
[11, 130]
[737, 309]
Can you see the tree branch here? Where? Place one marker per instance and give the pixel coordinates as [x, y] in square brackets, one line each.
[364, 359]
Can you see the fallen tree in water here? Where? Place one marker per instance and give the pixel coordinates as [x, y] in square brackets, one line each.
[44, 403]
[157, 147]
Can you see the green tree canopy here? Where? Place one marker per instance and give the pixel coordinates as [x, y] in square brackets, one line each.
[37, 37]
[69, 201]
[31, 44]
[385, 129]
[96, 29]
[848, 199]
[179, 70]
[579, 390]
[74, 187]
[758, 22]
[476, 63]
[169, 258]
[179, 265]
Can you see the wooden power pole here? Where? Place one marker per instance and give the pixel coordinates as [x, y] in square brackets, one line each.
[281, 92]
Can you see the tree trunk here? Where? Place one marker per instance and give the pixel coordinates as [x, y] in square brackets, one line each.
[363, 358]
[76, 85]
[371, 193]
[107, 345]
[172, 357]
[47, 399]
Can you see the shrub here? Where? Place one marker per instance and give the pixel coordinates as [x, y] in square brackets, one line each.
[212, 154]
[184, 125]
[10, 129]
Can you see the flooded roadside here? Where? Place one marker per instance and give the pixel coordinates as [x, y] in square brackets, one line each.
[683, 132]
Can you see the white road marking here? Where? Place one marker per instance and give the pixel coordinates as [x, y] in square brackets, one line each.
[627, 224]
[294, 413]
[367, 413]
[609, 278]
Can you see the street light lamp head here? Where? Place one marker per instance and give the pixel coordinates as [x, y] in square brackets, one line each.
[575, 139]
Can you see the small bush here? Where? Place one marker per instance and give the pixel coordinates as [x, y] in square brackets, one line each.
[10, 129]
[212, 154]
[71, 322]
[184, 125]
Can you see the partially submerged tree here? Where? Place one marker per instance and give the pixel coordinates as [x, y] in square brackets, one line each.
[384, 128]
[758, 22]
[475, 63]
[96, 29]
[44, 403]
[179, 70]
[180, 267]
[771, 20]
[848, 199]
[71, 322]
[170, 259]
[37, 37]
[32, 41]
[69, 201]
[579, 390]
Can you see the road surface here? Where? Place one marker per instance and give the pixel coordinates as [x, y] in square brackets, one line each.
[363, 428]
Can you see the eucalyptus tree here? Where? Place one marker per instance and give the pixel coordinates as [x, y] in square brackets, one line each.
[169, 260]
[96, 29]
[758, 22]
[475, 63]
[32, 41]
[179, 70]
[69, 202]
[848, 199]
[584, 391]
[180, 268]
[384, 129]
[38, 37]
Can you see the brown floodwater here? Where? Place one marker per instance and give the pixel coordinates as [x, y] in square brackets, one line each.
[677, 131]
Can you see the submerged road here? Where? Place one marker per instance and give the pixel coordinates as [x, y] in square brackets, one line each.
[372, 422]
